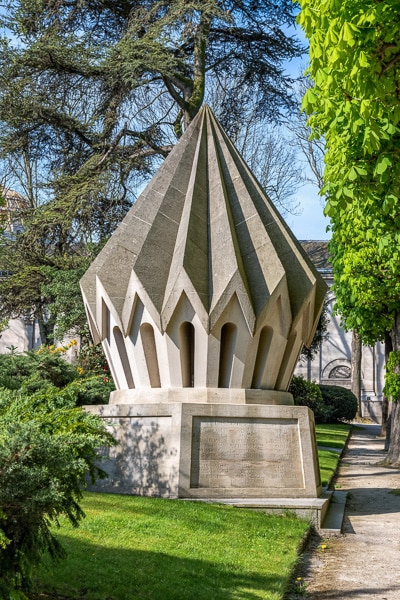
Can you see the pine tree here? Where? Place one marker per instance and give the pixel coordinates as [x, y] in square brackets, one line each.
[95, 93]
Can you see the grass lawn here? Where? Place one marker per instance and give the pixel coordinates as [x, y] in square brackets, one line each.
[132, 548]
[330, 436]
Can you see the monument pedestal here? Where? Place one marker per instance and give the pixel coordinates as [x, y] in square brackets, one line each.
[204, 450]
[202, 299]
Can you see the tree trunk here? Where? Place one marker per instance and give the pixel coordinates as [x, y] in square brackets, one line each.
[393, 455]
[46, 329]
[356, 355]
[385, 400]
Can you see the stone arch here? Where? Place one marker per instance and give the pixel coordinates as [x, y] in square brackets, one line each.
[264, 344]
[150, 354]
[227, 353]
[123, 356]
[340, 368]
[186, 336]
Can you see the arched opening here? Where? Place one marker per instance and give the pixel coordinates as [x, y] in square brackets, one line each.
[150, 354]
[264, 344]
[123, 355]
[227, 352]
[106, 321]
[290, 356]
[340, 372]
[186, 348]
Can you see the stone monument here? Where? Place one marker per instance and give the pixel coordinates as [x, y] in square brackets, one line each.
[203, 299]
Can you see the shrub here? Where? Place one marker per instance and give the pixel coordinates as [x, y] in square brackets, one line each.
[308, 393]
[36, 368]
[47, 448]
[46, 367]
[340, 402]
[94, 390]
[14, 368]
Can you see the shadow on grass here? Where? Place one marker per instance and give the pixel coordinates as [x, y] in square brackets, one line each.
[329, 437]
[93, 572]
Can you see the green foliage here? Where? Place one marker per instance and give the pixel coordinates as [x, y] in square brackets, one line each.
[321, 334]
[47, 450]
[92, 360]
[354, 104]
[93, 390]
[93, 95]
[61, 288]
[43, 279]
[392, 378]
[46, 368]
[340, 403]
[329, 403]
[308, 393]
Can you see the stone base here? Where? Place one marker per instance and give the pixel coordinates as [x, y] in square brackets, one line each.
[203, 451]
[201, 395]
[314, 510]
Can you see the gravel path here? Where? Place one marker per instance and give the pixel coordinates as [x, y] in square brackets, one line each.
[362, 564]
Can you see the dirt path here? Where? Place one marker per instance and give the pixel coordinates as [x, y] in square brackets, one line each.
[364, 563]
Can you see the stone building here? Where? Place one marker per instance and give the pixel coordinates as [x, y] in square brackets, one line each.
[332, 364]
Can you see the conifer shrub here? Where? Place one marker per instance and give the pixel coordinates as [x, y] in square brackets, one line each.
[46, 367]
[48, 449]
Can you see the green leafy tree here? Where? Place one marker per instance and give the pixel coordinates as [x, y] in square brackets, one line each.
[47, 452]
[354, 103]
[94, 94]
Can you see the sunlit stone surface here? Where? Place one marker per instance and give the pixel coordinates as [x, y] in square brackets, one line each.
[203, 299]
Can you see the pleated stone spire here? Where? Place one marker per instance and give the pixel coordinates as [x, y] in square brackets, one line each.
[203, 284]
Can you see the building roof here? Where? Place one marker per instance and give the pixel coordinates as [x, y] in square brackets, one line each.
[14, 200]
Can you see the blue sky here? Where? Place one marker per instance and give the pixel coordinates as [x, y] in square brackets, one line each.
[311, 224]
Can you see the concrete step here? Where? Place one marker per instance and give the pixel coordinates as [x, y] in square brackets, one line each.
[333, 521]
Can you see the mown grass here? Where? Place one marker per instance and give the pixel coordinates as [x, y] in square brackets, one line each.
[330, 436]
[132, 548]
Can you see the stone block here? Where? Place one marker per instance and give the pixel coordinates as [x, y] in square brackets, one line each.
[197, 450]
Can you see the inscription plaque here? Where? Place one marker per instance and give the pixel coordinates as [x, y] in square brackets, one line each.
[246, 453]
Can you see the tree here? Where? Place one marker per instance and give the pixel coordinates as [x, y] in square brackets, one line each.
[100, 85]
[94, 94]
[311, 147]
[321, 334]
[356, 357]
[47, 450]
[272, 157]
[354, 103]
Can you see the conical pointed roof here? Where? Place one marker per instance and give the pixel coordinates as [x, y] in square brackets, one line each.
[204, 226]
